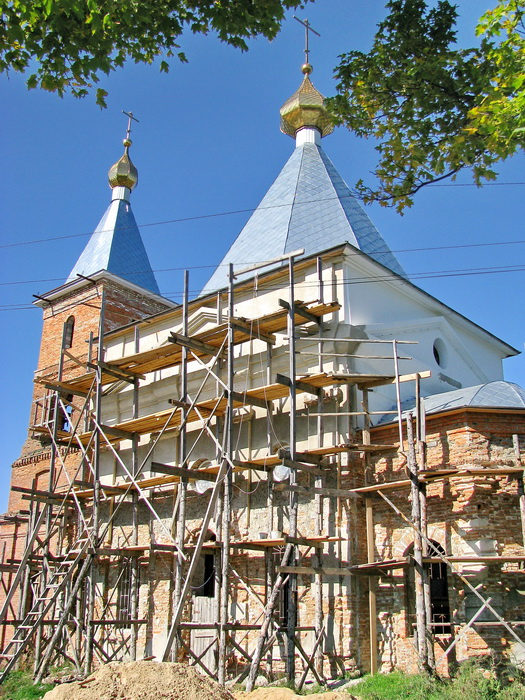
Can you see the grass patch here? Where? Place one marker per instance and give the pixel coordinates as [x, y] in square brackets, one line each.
[392, 686]
[19, 686]
[476, 680]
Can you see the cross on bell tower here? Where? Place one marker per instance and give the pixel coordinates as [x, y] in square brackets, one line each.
[307, 29]
[131, 118]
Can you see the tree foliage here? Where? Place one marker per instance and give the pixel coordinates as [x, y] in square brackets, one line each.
[435, 109]
[67, 44]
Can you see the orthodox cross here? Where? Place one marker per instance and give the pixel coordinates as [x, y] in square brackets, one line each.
[131, 118]
[307, 28]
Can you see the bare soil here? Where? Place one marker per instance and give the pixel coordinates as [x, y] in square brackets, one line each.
[141, 680]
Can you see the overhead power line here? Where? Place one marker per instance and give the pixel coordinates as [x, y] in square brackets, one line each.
[198, 217]
[256, 262]
[469, 271]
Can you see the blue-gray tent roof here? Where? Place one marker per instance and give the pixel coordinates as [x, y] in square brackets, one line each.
[308, 206]
[116, 246]
[496, 394]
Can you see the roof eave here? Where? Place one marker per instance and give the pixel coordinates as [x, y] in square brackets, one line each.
[512, 351]
[437, 413]
[99, 276]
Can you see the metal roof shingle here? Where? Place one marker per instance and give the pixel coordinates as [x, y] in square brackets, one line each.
[116, 246]
[308, 206]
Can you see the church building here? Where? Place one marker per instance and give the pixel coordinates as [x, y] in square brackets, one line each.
[312, 468]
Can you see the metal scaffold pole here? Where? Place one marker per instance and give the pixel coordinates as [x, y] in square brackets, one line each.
[51, 487]
[293, 502]
[92, 582]
[227, 494]
[183, 486]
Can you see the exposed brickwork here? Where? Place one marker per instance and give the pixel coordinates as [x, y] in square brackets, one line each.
[467, 516]
[31, 470]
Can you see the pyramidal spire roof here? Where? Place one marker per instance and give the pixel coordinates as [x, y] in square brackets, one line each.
[116, 244]
[309, 205]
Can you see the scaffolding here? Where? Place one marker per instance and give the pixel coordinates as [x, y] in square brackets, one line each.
[71, 576]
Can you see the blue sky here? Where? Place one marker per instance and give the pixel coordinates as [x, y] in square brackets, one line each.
[208, 142]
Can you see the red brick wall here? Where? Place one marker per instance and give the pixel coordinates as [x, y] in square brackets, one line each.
[31, 469]
[462, 512]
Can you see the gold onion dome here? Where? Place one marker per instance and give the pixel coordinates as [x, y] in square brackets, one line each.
[305, 108]
[123, 173]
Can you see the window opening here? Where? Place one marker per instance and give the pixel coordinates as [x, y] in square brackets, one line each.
[124, 591]
[281, 610]
[206, 576]
[439, 601]
[65, 423]
[69, 327]
[208, 585]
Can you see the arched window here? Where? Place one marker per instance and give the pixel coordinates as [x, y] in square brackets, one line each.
[438, 580]
[69, 327]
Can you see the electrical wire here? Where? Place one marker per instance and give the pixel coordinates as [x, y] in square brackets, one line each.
[438, 274]
[257, 262]
[214, 215]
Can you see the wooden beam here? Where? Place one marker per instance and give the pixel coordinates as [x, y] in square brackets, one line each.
[111, 490]
[300, 310]
[252, 328]
[118, 623]
[249, 545]
[73, 358]
[116, 432]
[250, 400]
[372, 607]
[304, 541]
[45, 494]
[299, 384]
[62, 387]
[321, 491]
[193, 474]
[381, 487]
[195, 344]
[299, 466]
[370, 569]
[125, 371]
[184, 404]
[120, 376]
[244, 464]
[403, 378]
[309, 458]
[163, 547]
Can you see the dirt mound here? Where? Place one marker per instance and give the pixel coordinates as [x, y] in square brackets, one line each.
[141, 680]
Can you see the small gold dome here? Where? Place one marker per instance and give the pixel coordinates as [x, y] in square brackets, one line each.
[305, 108]
[123, 173]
